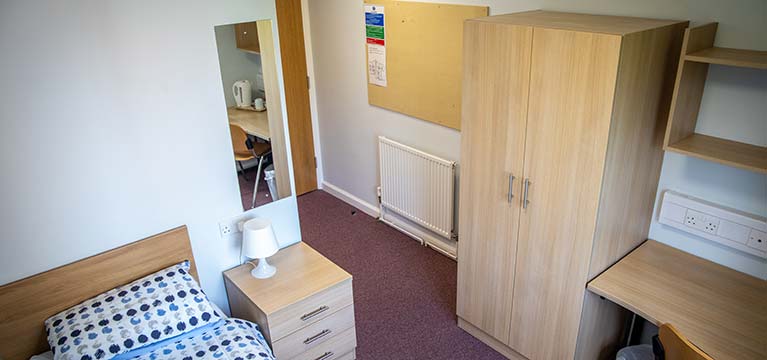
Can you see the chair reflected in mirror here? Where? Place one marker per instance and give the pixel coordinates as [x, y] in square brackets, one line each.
[245, 149]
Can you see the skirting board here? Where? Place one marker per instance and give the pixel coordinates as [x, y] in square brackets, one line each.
[350, 199]
[408, 228]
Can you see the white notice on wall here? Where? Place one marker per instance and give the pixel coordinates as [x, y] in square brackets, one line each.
[375, 34]
[377, 64]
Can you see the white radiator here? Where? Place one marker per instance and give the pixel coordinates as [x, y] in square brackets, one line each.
[417, 186]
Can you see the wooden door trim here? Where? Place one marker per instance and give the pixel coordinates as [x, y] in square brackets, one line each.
[295, 78]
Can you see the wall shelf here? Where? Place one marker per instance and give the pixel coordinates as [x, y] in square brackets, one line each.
[728, 152]
[697, 53]
[246, 36]
[731, 57]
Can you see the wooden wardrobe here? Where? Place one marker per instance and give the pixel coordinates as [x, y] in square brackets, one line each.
[561, 148]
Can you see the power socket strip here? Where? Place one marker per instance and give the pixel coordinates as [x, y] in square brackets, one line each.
[730, 227]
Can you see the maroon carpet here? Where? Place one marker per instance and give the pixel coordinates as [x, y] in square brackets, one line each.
[404, 293]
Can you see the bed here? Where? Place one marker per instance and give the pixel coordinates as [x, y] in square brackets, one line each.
[47, 306]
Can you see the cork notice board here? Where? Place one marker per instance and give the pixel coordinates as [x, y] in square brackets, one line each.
[423, 51]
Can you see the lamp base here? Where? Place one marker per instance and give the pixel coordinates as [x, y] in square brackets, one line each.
[263, 270]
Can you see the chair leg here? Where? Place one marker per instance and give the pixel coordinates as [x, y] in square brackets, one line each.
[242, 170]
[258, 178]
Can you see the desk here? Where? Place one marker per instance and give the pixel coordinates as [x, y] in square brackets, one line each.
[720, 310]
[253, 122]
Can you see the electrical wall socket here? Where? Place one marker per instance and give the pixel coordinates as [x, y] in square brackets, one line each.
[692, 218]
[701, 221]
[225, 228]
[710, 226]
[230, 226]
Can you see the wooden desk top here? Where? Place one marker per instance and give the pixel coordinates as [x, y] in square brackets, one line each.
[301, 272]
[720, 310]
[253, 122]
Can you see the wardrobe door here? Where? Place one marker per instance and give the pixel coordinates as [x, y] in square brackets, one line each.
[572, 82]
[495, 88]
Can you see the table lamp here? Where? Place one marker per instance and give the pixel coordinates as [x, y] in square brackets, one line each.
[258, 242]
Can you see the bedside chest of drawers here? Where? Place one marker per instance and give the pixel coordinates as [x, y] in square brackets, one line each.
[305, 310]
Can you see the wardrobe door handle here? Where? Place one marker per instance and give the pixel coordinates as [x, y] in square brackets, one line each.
[524, 196]
[511, 187]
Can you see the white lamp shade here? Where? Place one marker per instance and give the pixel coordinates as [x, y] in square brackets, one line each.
[258, 240]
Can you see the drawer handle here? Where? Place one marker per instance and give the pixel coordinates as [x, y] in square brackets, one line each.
[314, 313]
[326, 355]
[314, 338]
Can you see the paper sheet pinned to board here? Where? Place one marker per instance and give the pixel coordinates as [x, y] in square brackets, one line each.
[377, 64]
[375, 34]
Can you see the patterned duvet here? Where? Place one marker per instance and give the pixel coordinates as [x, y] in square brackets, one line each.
[229, 339]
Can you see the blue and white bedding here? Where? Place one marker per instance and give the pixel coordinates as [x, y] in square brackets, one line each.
[165, 315]
[156, 307]
[229, 339]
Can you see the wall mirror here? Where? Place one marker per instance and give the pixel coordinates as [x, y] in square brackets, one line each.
[251, 89]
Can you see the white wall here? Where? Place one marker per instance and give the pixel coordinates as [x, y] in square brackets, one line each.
[237, 64]
[348, 126]
[113, 128]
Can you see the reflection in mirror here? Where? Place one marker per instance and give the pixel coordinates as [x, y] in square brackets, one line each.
[250, 84]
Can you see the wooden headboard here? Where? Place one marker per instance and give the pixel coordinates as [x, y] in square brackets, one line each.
[26, 303]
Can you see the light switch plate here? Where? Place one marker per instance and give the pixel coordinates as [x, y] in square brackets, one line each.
[757, 240]
[673, 212]
[734, 228]
[734, 231]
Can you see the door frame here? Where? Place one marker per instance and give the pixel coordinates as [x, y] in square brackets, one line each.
[293, 54]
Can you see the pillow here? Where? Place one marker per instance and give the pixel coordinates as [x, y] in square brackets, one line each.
[151, 309]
